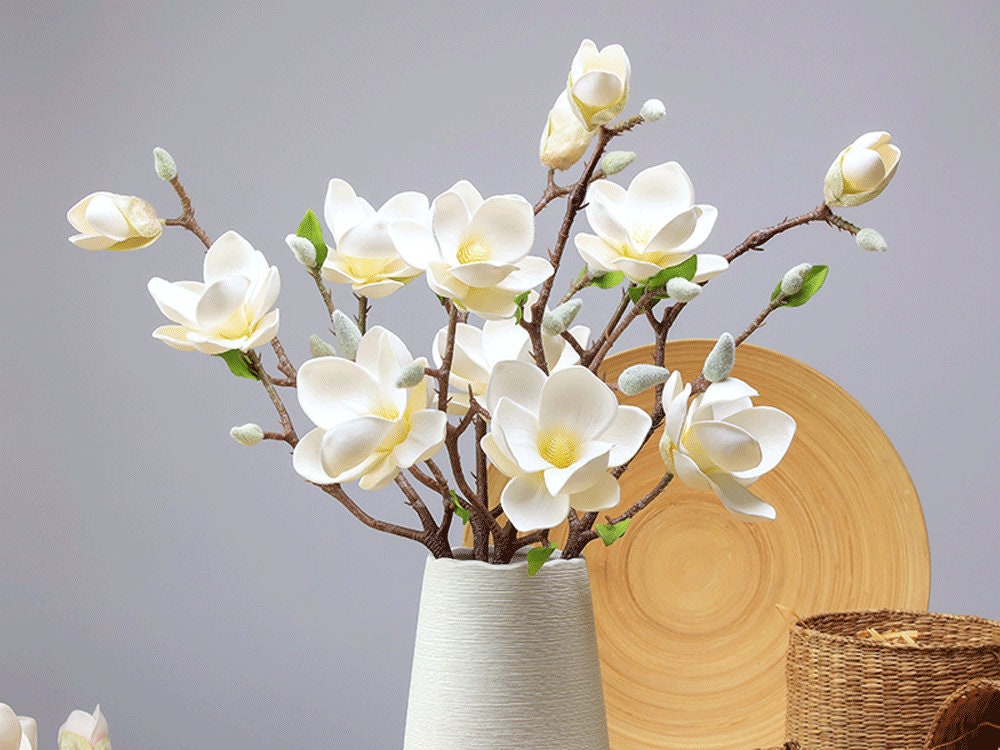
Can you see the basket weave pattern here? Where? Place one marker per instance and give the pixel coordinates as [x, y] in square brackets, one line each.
[851, 693]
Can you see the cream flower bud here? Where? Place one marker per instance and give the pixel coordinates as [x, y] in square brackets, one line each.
[682, 290]
[166, 167]
[870, 240]
[412, 374]
[861, 171]
[10, 729]
[559, 320]
[791, 282]
[614, 162]
[652, 110]
[598, 83]
[247, 434]
[638, 378]
[320, 348]
[347, 332]
[83, 731]
[108, 221]
[720, 360]
[303, 250]
[564, 139]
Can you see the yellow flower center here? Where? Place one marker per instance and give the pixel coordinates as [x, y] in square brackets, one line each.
[386, 411]
[474, 249]
[558, 447]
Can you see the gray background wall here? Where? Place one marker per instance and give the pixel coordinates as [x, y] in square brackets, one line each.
[197, 589]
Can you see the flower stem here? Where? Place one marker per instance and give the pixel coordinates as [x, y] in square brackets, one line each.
[186, 219]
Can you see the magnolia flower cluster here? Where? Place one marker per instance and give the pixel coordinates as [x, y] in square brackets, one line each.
[81, 731]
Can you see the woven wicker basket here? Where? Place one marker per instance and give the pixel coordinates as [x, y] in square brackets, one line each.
[969, 719]
[847, 692]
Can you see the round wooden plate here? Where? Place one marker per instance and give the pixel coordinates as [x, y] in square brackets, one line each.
[692, 643]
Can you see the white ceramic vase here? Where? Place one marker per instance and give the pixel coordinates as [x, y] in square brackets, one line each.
[504, 660]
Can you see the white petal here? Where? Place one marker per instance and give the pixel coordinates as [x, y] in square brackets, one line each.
[265, 330]
[689, 473]
[739, 499]
[451, 218]
[674, 233]
[576, 400]
[378, 289]
[482, 274]
[529, 506]
[723, 399]
[410, 206]
[178, 300]
[489, 303]
[231, 255]
[706, 221]
[587, 469]
[352, 443]
[369, 239]
[678, 407]
[307, 460]
[605, 202]
[626, 433]
[92, 241]
[596, 253]
[603, 494]
[507, 223]
[709, 266]
[77, 215]
[499, 457]
[531, 271]
[379, 473]
[174, 337]
[471, 197]
[332, 390]
[426, 435]
[415, 243]
[729, 447]
[343, 209]
[221, 300]
[519, 381]
[598, 88]
[518, 429]
[640, 270]
[103, 217]
[772, 429]
[659, 193]
[504, 339]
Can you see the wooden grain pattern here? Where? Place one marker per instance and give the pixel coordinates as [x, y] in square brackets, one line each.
[692, 644]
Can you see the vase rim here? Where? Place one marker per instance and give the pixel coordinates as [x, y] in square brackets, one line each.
[463, 556]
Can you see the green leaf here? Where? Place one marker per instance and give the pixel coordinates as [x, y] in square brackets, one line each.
[237, 364]
[537, 557]
[686, 270]
[461, 512]
[608, 280]
[635, 293]
[520, 301]
[812, 283]
[310, 228]
[611, 532]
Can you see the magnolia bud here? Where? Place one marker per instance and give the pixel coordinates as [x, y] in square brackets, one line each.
[166, 167]
[870, 240]
[652, 110]
[348, 334]
[861, 171]
[614, 162]
[247, 434]
[720, 360]
[791, 282]
[303, 250]
[638, 378]
[412, 375]
[681, 289]
[319, 348]
[558, 320]
[564, 139]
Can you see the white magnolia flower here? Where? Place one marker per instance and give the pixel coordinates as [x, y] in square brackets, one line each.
[365, 255]
[368, 428]
[108, 221]
[861, 171]
[230, 309]
[556, 437]
[17, 732]
[477, 250]
[564, 139]
[651, 226]
[598, 83]
[722, 442]
[83, 731]
[477, 351]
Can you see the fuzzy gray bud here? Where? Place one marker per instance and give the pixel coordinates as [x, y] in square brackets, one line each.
[614, 162]
[247, 434]
[558, 320]
[794, 278]
[653, 109]
[303, 250]
[720, 360]
[638, 378]
[320, 348]
[870, 240]
[348, 334]
[682, 290]
[166, 167]
[412, 375]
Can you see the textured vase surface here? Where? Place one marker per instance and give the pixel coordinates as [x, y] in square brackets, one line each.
[504, 660]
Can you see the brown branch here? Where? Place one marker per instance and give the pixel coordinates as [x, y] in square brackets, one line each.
[577, 346]
[186, 219]
[337, 492]
[755, 240]
[414, 501]
[284, 363]
[257, 368]
[444, 371]
[363, 308]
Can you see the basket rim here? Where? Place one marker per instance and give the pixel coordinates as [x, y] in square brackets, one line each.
[806, 625]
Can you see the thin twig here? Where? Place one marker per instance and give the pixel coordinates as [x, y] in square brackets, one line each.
[257, 368]
[186, 219]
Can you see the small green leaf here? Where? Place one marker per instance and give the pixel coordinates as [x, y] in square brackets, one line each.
[685, 270]
[461, 512]
[611, 532]
[237, 364]
[635, 293]
[608, 280]
[812, 283]
[520, 301]
[310, 228]
[537, 557]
